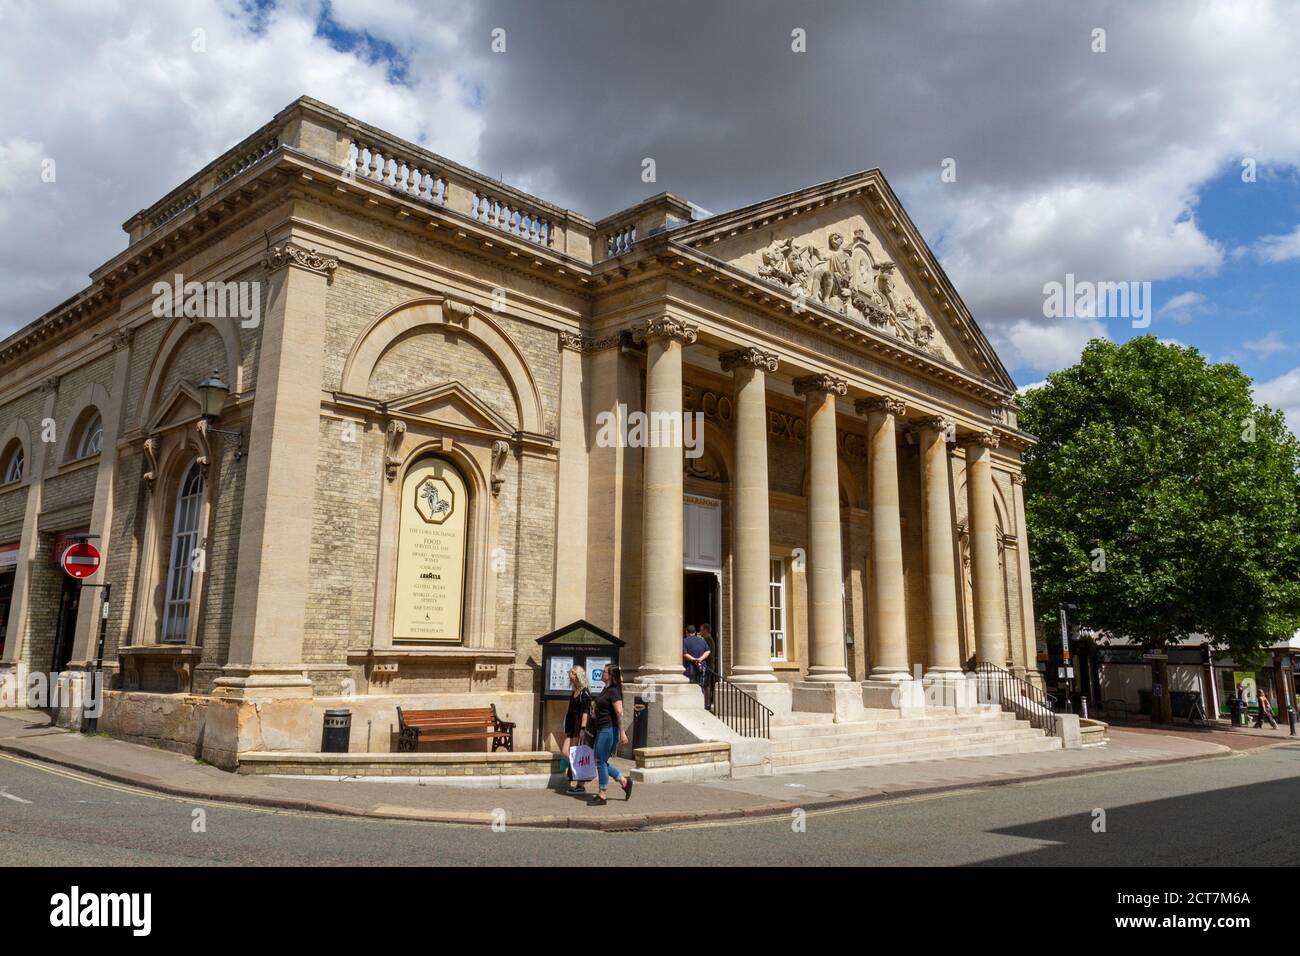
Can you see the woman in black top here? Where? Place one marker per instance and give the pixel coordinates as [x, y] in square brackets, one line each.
[608, 708]
[576, 719]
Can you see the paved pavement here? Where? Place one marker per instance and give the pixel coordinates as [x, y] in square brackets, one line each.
[1220, 732]
[28, 734]
[1189, 813]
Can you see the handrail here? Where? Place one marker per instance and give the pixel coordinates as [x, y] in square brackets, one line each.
[735, 707]
[1016, 695]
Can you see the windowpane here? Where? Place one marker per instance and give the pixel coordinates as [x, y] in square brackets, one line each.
[777, 608]
[178, 595]
[92, 438]
[14, 467]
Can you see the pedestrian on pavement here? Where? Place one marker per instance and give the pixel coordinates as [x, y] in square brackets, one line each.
[576, 720]
[1241, 703]
[1265, 711]
[608, 709]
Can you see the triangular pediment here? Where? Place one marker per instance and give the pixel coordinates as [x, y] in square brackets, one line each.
[849, 247]
[451, 402]
[180, 407]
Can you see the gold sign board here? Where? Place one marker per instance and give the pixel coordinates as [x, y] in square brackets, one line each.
[431, 554]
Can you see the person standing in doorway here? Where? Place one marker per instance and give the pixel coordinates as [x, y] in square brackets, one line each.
[707, 662]
[1265, 710]
[695, 652]
[610, 734]
[576, 720]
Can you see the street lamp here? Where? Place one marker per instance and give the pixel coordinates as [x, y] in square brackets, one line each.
[213, 393]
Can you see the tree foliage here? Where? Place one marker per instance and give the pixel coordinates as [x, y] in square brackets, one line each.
[1161, 500]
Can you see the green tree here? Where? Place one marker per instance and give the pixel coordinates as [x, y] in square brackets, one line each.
[1161, 500]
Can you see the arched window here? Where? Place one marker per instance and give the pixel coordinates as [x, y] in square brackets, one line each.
[14, 460]
[92, 437]
[178, 598]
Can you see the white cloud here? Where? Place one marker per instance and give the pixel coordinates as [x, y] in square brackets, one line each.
[1270, 344]
[1183, 307]
[1283, 393]
[1280, 248]
[1042, 344]
[116, 95]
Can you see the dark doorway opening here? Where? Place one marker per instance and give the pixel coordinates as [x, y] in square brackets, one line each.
[700, 606]
[6, 598]
[64, 635]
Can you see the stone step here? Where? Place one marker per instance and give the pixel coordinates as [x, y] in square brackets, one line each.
[894, 724]
[1016, 746]
[885, 747]
[868, 737]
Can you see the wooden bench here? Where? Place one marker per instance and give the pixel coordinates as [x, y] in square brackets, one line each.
[468, 724]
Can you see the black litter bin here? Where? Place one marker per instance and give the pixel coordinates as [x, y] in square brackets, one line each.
[338, 732]
[640, 724]
[1234, 709]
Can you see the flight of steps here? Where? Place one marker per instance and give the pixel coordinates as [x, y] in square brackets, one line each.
[812, 742]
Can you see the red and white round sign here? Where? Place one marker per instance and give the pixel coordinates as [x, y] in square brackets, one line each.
[81, 559]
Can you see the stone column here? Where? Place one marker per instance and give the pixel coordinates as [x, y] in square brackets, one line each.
[751, 575]
[661, 527]
[986, 578]
[887, 605]
[1027, 621]
[828, 687]
[937, 536]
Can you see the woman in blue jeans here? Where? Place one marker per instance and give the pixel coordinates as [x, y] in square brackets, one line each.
[608, 707]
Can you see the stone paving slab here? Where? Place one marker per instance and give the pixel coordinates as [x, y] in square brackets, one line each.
[28, 735]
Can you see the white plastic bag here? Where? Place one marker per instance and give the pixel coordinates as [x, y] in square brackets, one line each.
[582, 760]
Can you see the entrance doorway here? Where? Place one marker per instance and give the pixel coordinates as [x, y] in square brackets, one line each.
[66, 630]
[700, 606]
[6, 598]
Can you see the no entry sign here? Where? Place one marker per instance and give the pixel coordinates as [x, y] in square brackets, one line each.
[81, 560]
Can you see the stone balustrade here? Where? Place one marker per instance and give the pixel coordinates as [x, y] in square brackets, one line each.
[365, 154]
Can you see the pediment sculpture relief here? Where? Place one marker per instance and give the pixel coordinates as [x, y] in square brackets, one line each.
[847, 279]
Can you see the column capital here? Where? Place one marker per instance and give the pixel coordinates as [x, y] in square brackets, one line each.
[938, 423]
[290, 253]
[666, 327]
[813, 384]
[881, 403]
[749, 358]
[987, 439]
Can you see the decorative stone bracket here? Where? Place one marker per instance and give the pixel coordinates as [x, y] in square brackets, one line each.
[499, 451]
[392, 441]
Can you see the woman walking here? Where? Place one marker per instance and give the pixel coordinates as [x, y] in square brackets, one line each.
[576, 721]
[608, 708]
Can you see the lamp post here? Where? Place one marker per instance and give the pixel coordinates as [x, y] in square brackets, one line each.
[213, 393]
[1066, 667]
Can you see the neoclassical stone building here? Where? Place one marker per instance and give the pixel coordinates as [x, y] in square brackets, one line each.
[408, 480]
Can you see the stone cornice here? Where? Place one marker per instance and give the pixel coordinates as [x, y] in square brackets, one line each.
[881, 403]
[749, 358]
[821, 383]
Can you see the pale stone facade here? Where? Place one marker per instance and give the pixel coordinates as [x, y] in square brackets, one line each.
[857, 500]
